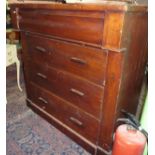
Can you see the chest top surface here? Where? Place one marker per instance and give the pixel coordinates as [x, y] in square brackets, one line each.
[105, 5]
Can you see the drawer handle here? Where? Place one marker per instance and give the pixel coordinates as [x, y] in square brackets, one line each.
[75, 91]
[77, 60]
[40, 49]
[76, 121]
[43, 100]
[42, 75]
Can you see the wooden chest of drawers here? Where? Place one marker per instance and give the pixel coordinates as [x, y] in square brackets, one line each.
[83, 63]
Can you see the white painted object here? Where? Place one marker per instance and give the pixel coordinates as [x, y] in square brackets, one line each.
[11, 58]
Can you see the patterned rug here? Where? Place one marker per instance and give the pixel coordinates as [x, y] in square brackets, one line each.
[29, 134]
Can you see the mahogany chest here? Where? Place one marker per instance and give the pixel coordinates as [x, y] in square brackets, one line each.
[83, 64]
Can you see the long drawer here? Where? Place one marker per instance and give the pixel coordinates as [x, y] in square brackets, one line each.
[86, 62]
[81, 26]
[79, 92]
[70, 116]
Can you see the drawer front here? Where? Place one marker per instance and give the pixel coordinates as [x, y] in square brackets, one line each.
[70, 116]
[86, 62]
[78, 92]
[73, 25]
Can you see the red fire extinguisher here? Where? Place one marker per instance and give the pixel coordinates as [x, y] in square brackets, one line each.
[130, 138]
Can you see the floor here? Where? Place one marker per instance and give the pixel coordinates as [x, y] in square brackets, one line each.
[29, 134]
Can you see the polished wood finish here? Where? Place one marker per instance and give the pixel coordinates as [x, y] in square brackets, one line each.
[130, 67]
[60, 109]
[76, 27]
[86, 62]
[79, 139]
[83, 63]
[78, 92]
[103, 6]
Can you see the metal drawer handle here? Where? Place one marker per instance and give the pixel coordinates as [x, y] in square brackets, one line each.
[40, 49]
[42, 75]
[77, 60]
[43, 100]
[76, 121]
[75, 91]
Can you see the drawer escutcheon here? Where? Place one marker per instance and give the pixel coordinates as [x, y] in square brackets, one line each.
[76, 121]
[78, 60]
[41, 75]
[42, 100]
[40, 49]
[77, 92]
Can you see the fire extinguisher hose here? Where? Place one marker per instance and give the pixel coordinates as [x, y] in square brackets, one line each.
[131, 120]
